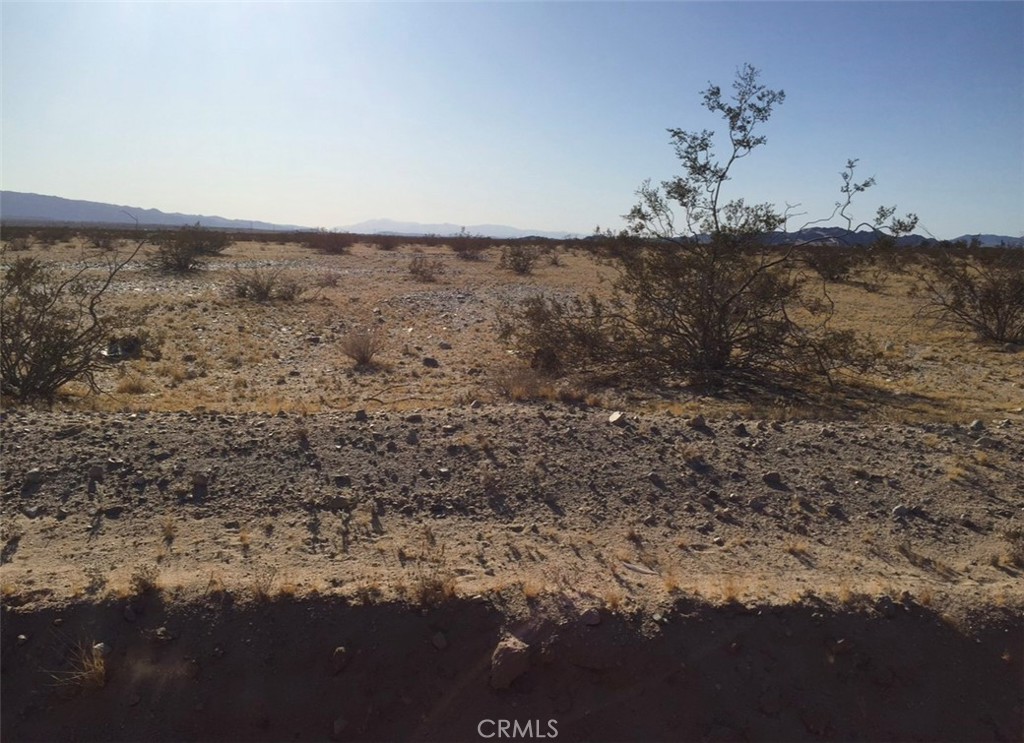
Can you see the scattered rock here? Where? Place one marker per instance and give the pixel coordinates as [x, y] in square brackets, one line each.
[987, 442]
[976, 425]
[361, 416]
[772, 479]
[96, 473]
[740, 429]
[200, 479]
[430, 362]
[342, 481]
[591, 617]
[34, 476]
[445, 346]
[414, 418]
[618, 418]
[22, 639]
[128, 614]
[697, 421]
[886, 607]
[509, 661]
[339, 660]
[900, 511]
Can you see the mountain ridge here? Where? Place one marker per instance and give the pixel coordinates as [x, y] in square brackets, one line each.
[28, 207]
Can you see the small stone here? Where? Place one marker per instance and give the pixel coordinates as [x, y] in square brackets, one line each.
[987, 442]
[439, 641]
[58, 622]
[772, 479]
[412, 438]
[740, 429]
[430, 362]
[361, 416]
[22, 639]
[339, 660]
[96, 473]
[509, 661]
[591, 617]
[886, 607]
[34, 476]
[102, 648]
[655, 479]
[342, 481]
[900, 511]
[718, 542]
[697, 421]
[30, 511]
[977, 425]
[618, 418]
[314, 339]
[129, 614]
[445, 346]
[200, 479]
[414, 418]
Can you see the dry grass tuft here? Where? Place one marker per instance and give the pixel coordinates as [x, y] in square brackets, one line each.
[88, 668]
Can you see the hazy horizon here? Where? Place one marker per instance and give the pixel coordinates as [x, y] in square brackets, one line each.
[539, 116]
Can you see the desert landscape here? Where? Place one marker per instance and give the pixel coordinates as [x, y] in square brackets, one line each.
[249, 535]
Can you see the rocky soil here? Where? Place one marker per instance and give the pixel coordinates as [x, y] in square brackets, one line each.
[671, 577]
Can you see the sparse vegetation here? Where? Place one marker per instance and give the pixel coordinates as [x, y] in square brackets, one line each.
[54, 327]
[981, 291]
[186, 249]
[264, 285]
[362, 345]
[423, 268]
[519, 259]
[711, 299]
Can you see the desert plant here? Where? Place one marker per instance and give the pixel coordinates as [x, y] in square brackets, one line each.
[329, 243]
[469, 247]
[263, 285]
[981, 291]
[426, 269]
[88, 668]
[361, 345]
[711, 299]
[52, 326]
[185, 249]
[519, 259]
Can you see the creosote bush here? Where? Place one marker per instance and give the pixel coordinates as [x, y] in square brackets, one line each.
[426, 269]
[185, 250]
[978, 290]
[518, 258]
[706, 297]
[328, 243]
[53, 327]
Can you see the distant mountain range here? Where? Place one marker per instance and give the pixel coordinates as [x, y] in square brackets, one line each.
[27, 207]
[392, 227]
[30, 207]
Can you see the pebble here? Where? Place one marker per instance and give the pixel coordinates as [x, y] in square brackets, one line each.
[618, 418]
[509, 661]
[772, 479]
[339, 659]
[439, 640]
[591, 617]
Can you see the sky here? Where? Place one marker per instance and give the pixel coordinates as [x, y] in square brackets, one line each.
[543, 116]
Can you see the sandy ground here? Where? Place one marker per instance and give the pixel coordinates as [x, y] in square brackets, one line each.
[183, 559]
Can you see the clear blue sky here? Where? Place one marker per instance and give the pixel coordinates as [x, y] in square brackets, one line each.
[538, 115]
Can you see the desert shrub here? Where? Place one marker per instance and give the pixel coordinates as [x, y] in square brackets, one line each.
[559, 334]
[185, 249]
[519, 259]
[264, 285]
[712, 300]
[20, 244]
[329, 243]
[426, 269]
[981, 291]
[469, 247]
[53, 329]
[388, 242]
[830, 262]
[361, 345]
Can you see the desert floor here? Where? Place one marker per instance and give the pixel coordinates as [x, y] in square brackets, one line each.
[244, 538]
